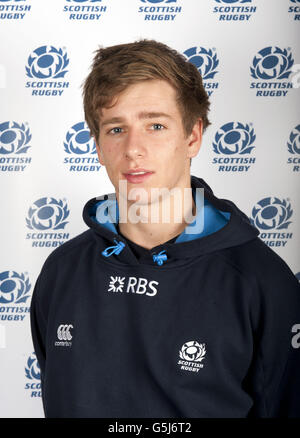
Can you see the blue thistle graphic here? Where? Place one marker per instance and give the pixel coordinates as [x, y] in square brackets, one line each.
[294, 145]
[272, 63]
[271, 214]
[205, 61]
[47, 62]
[233, 138]
[79, 141]
[32, 371]
[14, 287]
[14, 138]
[47, 213]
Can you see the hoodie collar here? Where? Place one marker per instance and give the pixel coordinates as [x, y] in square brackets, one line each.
[219, 224]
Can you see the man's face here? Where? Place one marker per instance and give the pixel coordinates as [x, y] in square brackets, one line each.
[143, 129]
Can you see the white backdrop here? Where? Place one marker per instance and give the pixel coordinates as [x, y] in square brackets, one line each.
[248, 53]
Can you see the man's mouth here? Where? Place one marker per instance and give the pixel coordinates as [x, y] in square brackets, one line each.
[137, 176]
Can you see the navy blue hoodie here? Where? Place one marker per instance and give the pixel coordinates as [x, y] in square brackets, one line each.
[204, 325]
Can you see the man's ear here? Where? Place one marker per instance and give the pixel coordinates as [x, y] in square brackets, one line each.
[195, 139]
[99, 153]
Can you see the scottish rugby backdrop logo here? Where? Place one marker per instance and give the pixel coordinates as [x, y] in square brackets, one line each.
[33, 376]
[293, 146]
[13, 10]
[234, 10]
[14, 142]
[272, 215]
[160, 10]
[191, 354]
[45, 66]
[14, 293]
[295, 9]
[206, 61]
[81, 148]
[271, 67]
[234, 140]
[82, 10]
[46, 217]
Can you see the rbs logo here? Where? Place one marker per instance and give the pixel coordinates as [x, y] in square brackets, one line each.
[134, 285]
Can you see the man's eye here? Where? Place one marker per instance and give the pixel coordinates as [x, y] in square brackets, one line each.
[115, 131]
[157, 126]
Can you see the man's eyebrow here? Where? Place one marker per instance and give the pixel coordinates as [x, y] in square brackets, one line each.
[153, 115]
[111, 121]
[141, 115]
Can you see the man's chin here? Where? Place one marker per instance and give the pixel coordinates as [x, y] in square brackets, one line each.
[141, 195]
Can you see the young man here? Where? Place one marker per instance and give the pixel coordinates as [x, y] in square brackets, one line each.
[194, 317]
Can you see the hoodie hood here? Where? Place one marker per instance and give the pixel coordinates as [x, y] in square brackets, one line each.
[219, 224]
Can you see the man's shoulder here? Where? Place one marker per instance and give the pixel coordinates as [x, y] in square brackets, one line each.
[69, 248]
[256, 260]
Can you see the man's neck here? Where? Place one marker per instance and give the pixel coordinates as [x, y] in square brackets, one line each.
[151, 234]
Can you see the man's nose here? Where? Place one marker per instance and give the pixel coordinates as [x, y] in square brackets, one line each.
[134, 143]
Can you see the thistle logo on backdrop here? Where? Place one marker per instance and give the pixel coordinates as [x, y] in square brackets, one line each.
[206, 62]
[47, 214]
[236, 140]
[13, 10]
[33, 374]
[295, 9]
[14, 141]
[270, 67]
[45, 66]
[294, 149]
[84, 10]
[82, 148]
[271, 215]
[14, 292]
[234, 10]
[161, 10]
